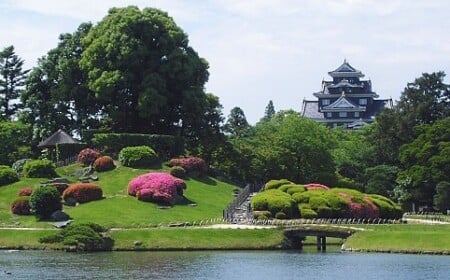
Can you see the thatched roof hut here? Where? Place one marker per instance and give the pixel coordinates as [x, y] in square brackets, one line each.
[59, 137]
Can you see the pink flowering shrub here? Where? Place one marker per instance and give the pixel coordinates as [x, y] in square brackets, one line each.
[27, 191]
[315, 186]
[156, 187]
[194, 166]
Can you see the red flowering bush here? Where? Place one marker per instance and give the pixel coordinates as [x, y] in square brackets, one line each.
[194, 166]
[82, 192]
[104, 163]
[88, 156]
[21, 206]
[157, 186]
[27, 191]
[315, 186]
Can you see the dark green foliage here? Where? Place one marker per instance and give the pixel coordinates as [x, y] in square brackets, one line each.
[426, 160]
[166, 146]
[66, 150]
[274, 201]
[7, 175]
[14, 142]
[21, 206]
[275, 184]
[11, 82]
[344, 182]
[296, 189]
[178, 171]
[280, 216]
[269, 112]
[44, 201]
[39, 169]
[88, 237]
[236, 124]
[442, 196]
[139, 156]
[381, 179]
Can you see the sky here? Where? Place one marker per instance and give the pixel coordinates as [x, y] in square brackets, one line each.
[262, 50]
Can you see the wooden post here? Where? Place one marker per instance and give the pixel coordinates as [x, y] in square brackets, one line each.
[321, 243]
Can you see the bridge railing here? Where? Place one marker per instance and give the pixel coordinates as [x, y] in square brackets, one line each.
[240, 198]
[335, 221]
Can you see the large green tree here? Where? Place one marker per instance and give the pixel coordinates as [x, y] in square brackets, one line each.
[143, 71]
[56, 94]
[288, 146]
[12, 76]
[14, 142]
[237, 123]
[426, 160]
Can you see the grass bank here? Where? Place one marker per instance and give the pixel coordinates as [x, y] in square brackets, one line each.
[430, 239]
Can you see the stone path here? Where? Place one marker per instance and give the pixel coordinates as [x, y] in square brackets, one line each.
[243, 212]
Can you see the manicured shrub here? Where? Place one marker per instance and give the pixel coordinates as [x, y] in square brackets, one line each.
[194, 166]
[104, 163]
[178, 171]
[39, 169]
[275, 184]
[138, 156]
[306, 212]
[27, 191]
[156, 187]
[280, 216]
[21, 206]
[44, 201]
[83, 192]
[18, 165]
[87, 156]
[274, 201]
[295, 189]
[387, 208]
[7, 175]
[262, 215]
[87, 237]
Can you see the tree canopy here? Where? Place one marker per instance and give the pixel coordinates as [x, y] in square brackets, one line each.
[143, 71]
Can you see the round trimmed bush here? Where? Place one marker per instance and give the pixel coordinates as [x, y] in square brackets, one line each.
[87, 156]
[194, 166]
[387, 208]
[27, 191]
[306, 212]
[21, 206]
[275, 184]
[178, 171]
[156, 187]
[39, 169]
[274, 201]
[104, 163]
[138, 156]
[82, 192]
[7, 175]
[44, 201]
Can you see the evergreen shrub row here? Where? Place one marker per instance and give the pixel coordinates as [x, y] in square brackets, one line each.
[320, 201]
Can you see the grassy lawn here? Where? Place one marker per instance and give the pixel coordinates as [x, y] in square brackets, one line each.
[118, 209]
[195, 238]
[10, 238]
[402, 238]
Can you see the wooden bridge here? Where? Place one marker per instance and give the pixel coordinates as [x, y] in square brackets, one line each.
[296, 235]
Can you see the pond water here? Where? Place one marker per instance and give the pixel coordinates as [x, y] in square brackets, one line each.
[243, 265]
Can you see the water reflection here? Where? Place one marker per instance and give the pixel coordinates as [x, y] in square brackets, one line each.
[244, 265]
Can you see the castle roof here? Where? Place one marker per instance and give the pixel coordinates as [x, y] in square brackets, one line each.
[346, 70]
[343, 103]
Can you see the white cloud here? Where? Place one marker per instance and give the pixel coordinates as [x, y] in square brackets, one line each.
[270, 49]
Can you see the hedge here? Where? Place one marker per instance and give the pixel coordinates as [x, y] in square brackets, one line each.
[138, 156]
[67, 150]
[274, 201]
[275, 184]
[39, 169]
[166, 146]
[82, 192]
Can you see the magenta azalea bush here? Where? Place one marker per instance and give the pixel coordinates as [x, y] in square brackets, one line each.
[156, 187]
[194, 166]
[88, 156]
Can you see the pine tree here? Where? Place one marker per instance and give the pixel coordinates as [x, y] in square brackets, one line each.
[12, 79]
[269, 112]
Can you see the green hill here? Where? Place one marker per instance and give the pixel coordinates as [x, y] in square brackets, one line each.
[118, 209]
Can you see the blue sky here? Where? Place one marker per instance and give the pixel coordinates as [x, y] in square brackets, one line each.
[261, 50]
